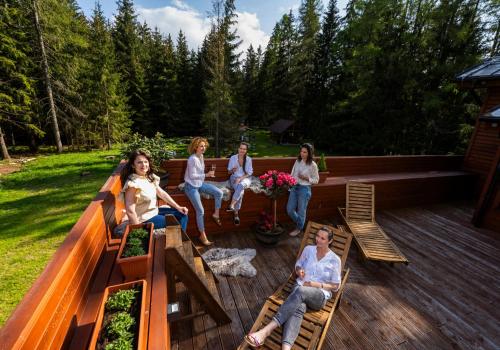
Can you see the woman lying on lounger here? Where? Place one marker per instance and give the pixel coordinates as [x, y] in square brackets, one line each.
[318, 275]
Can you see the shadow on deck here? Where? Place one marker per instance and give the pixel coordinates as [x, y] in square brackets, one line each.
[445, 299]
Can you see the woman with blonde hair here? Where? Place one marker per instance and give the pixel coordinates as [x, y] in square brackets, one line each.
[194, 179]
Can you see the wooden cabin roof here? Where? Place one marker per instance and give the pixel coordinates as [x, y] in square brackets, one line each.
[487, 70]
[491, 115]
[281, 125]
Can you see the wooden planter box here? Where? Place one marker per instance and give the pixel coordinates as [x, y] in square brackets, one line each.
[135, 267]
[141, 336]
[322, 176]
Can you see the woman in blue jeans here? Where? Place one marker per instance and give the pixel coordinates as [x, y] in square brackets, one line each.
[140, 191]
[305, 171]
[318, 275]
[194, 179]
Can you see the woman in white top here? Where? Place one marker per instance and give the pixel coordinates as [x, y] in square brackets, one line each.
[194, 178]
[318, 275]
[140, 191]
[305, 171]
[240, 168]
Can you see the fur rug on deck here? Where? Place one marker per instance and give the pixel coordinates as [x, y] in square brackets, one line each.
[231, 261]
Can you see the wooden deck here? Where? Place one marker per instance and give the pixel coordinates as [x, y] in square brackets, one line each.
[447, 298]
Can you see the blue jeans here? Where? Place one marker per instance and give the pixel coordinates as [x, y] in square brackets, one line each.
[297, 204]
[291, 313]
[193, 193]
[160, 222]
[239, 190]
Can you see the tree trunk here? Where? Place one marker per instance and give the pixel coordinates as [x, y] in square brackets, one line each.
[5, 151]
[48, 85]
[496, 40]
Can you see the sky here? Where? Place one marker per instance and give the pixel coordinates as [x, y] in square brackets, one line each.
[256, 18]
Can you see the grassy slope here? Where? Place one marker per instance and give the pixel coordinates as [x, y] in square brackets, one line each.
[38, 207]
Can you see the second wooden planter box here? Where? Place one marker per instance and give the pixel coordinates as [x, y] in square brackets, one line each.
[98, 337]
[135, 267]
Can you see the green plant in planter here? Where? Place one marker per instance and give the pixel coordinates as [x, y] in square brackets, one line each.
[136, 241]
[322, 163]
[121, 300]
[120, 325]
[158, 147]
[120, 344]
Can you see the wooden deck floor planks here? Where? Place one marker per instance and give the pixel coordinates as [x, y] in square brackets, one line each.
[447, 298]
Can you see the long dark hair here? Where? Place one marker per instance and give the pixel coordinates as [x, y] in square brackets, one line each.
[129, 170]
[310, 152]
[245, 159]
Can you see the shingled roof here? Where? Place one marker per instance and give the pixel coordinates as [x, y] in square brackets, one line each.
[489, 69]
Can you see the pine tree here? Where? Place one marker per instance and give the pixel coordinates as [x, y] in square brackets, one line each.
[105, 102]
[126, 42]
[17, 86]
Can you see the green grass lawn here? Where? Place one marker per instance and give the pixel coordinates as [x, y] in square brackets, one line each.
[263, 146]
[38, 207]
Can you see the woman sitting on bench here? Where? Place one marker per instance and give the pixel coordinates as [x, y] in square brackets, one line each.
[318, 275]
[140, 191]
[240, 168]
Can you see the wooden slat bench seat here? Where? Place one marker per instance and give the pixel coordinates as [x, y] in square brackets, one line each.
[315, 323]
[411, 180]
[359, 215]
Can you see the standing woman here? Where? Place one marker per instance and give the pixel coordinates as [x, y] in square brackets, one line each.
[240, 168]
[140, 191]
[305, 171]
[194, 185]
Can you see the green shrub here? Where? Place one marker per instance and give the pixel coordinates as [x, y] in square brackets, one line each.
[139, 233]
[120, 325]
[121, 300]
[120, 344]
[322, 163]
[158, 147]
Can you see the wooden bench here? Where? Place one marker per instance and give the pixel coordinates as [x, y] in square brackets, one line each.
[315, 323]
[412, 180]
[359, 215]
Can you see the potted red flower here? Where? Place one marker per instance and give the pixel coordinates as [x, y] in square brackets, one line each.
[275, 184]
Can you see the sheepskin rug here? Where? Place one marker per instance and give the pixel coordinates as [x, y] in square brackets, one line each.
[231, 261]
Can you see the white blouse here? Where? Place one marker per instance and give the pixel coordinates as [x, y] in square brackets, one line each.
[195, 171]
[233, 163]
[326, 270]
[311, 171]
[145, 195]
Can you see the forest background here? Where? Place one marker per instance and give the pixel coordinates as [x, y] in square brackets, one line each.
[378, 80]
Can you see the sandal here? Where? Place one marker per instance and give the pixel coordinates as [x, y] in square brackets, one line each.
[217, 220]
[253, 341]
[236, 220]
[206, 242]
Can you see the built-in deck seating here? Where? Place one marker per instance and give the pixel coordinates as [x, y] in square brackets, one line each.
[315, 323]
[359, 216]
[400, 181]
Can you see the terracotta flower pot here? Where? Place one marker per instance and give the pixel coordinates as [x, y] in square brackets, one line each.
[141, 317]
[135, 267]
[323, 175]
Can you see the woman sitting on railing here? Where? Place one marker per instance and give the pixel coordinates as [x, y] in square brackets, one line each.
[318, 275]
[140, 191]
[305, 171]
[240, 168]
[195, 183]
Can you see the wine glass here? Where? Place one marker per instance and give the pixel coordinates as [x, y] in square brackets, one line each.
[212, 168]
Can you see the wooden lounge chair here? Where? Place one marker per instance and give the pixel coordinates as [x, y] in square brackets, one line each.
[359, 216]
[315, 323]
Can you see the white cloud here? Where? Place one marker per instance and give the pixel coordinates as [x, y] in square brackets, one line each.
[171, 19]
[249, 31]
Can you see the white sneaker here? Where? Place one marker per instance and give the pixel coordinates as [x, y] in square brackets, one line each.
[294, 233]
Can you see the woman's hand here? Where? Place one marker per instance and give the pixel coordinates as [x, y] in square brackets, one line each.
[313, 284]
[303, 177]
[183, 210]
[211, 173]
[235, 169]
[238, 180]
[301, 273]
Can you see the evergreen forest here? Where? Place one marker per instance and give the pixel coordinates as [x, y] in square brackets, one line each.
[378, 80]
